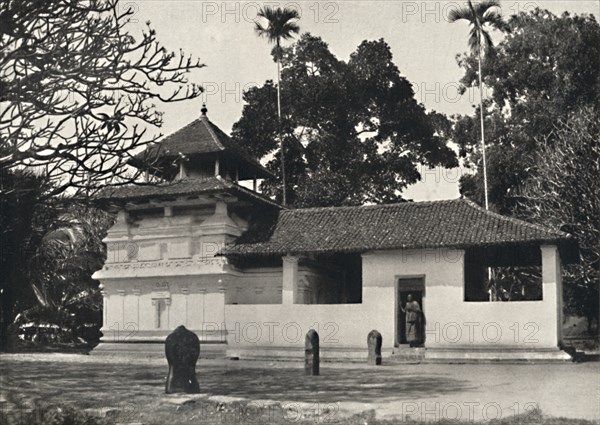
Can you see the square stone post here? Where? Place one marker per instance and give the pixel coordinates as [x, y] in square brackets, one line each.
[290, 279]
[552, 287]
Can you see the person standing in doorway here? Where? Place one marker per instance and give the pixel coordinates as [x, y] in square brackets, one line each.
[412, 311]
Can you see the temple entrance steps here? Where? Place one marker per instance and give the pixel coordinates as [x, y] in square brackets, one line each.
[407, 354]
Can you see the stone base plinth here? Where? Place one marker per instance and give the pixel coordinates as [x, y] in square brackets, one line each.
[297, 354]
[152, 350]
[159, 336]
[494, 355]
[401, 355]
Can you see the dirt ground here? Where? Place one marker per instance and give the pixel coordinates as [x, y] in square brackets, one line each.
[252, 391]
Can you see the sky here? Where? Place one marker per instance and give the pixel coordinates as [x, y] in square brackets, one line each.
[424, 45]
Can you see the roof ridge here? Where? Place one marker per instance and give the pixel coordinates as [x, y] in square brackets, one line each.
[376, 206]
[158, 144]
[229, 144]
[456, 223]
[517, 220]
[186, 180]
[119, 192]
[208, 124]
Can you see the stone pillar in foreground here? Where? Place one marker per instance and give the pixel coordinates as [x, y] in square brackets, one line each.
[311, 353]
[182, 348]
[374, 340]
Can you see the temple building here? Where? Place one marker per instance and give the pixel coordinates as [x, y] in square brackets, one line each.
[203, 248]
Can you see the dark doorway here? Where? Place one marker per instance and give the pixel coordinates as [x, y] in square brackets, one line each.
[405, 287]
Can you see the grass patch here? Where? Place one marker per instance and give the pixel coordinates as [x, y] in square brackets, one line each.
[42, 414]
[234, 414]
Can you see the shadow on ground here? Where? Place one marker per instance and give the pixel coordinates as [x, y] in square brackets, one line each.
[337, 385]
[96, 385]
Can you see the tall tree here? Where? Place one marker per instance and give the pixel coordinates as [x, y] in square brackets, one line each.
[78, 91]
[562, 192]
[281, 25]
[78, 95]
[481, 17]
[354, 133]
[543, 70]
[544, 78]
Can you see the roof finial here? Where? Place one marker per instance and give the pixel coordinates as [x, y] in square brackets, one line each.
[204, 110]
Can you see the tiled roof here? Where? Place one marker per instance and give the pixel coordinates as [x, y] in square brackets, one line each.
[455, 223]
[200, 136]
[184, 187]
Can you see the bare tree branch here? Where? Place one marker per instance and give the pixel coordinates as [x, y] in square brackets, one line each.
[78, 91]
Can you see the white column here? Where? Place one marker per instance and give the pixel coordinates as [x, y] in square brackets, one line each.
[157, 307]
[185, 290]
[104, 306]
[222, 326]
[290, 279]
[168, 314]
[552, 287]
[137, 292]
[121, 293]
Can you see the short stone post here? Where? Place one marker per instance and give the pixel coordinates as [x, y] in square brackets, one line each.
[374, 343]
[311, 353]
[182, 348]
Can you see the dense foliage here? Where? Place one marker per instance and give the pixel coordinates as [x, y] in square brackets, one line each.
[542, 71]
[353, 133]
[563, 192]
[51, 248]
[542, 116]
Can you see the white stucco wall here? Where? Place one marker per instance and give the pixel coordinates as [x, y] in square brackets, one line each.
[347, 324]
[161, 272]
[196, 302]
[531, 325]
[338, 325]
[275, 305]
[450, 321]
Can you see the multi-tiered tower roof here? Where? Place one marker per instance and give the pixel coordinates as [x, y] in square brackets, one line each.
[199, 159]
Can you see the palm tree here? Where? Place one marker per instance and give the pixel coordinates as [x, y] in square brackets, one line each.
[482, 17]
[68, 300]
[281, 26]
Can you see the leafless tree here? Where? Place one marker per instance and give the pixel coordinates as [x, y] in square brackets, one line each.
[79, 93]
[563, 192]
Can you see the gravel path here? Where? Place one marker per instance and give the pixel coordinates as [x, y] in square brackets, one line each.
[420, 391]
